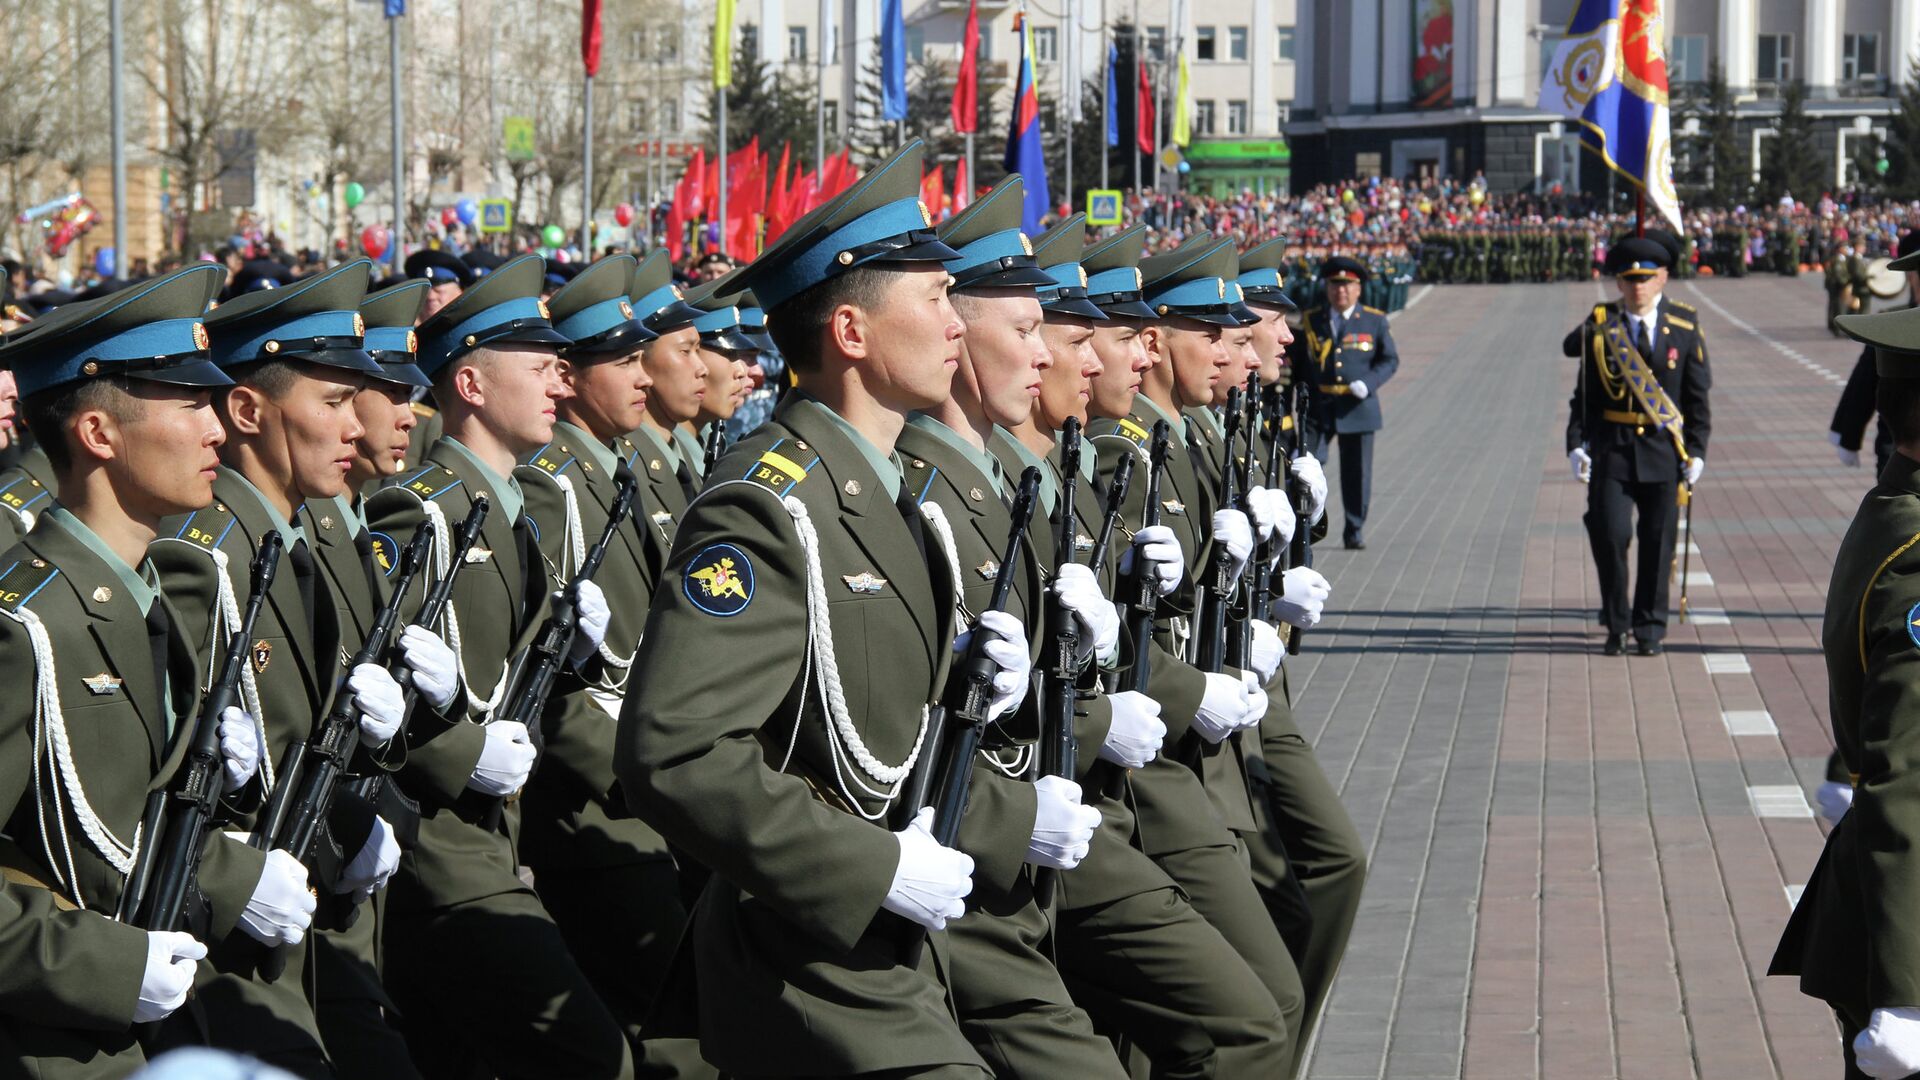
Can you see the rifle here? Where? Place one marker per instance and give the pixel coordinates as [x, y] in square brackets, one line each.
[544, 659]
[1211, 652]
[716, 445]
[1142, 591]
[1240, 612]
[171, 858]
[1298, 547]
[966, 714]
[1057, 748]
[1273, 560]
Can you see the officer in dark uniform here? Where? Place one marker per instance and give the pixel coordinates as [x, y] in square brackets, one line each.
[1344, 355]
[1855, 408]
[1636, 441]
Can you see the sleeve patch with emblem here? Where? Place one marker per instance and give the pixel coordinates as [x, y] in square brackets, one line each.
[1913, 623]
[385, 552]
[719, 580]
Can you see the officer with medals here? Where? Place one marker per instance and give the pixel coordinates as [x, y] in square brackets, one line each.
[1850, 938]
[804, 627]
[1637, 435]
[1344, 355]
[118, 388]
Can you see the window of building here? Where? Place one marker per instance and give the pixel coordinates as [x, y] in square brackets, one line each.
[1203, 45]
[1776, 58]
[637, 44]
[985, 51]
[1236, 118]
[750, 42]
[832, 113]
[797, 43]
[669, 43]
[1046, 44]
[916, 43]
[1283, 43]
[1859, 56]
[637, 115]
[1237, 43]
[1687, 60]
[1157, 44]
[1203, 118]
[1282, 112]
[1367, 164]
[670, 116]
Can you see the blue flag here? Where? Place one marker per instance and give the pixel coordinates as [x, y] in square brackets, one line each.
[1024, 154]
[396, 8]
[1113, 95]
[893, 61]
[1610, 75]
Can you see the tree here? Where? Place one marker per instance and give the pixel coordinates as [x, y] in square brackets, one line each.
[1903, 141]
[767, 100]
[1727, 170]
[930, 88]
[46, 142]
[1790, 165]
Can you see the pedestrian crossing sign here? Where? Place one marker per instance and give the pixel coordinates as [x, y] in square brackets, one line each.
[496, 215]
[1103, 206]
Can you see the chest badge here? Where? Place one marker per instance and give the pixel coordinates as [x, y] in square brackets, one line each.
[262, 655]
[479, 554]
[1082, 542]
[102, 685]
[987, 569]
[719, 580]
[864, 582]
[1174, 507]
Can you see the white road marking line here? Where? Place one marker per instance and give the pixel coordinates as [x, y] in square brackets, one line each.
[1778, 801]
[1749, 722]
[1727, 664]
[1782, 348]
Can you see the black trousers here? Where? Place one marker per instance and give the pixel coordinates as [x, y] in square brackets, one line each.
[1612, 502]
[1356, 476]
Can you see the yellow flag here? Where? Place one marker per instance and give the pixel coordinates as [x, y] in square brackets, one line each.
[723, 45]
[1182, 105]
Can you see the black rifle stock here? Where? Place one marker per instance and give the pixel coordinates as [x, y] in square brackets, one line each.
[716, 445]
[1142, 592]
[1217, 593]
[1057, 749]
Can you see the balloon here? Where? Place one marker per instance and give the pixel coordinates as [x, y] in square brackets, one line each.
[623, 214]
[355, 194]
[1476, 196]
[448, 217]
[1347, 195]
[1185, 168]
[467, 210]
[103, 262]
[373, 241]
[553, 236]
[562, 258]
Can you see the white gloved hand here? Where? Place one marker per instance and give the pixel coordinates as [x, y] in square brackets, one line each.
[1834, 800]
[1889, 1046]
[1161, 549]
[1285, 521]
[1260, 508]
[1255, 699]
[169, 974]
[431, 665]
[281, 908]
[382, 705]
[1062, 825]
[1136, 733]
[378, 858]
[1007, 648]
[1849, 458]
[1099, 622]
[1231, 529]
[505, 761]
[1582, 463]
[1269, 649]
[590, 627]
[1360, 390]
[239, 747]
[1306, 469]
[1223, 707]
[1695, 466]
[932, 881]
[1303, 597]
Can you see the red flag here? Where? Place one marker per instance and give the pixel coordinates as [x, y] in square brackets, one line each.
[966, 90]
[802, 198]
[933, 191]
[777, 197]
[695, 184]
[838, 175]
[677, 218]
[962, 185]
[590, 36]
[1145, 111]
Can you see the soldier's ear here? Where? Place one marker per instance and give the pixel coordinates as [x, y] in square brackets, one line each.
[243, 409]
[849, 333]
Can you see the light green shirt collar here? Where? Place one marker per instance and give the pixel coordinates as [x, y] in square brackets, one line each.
[664, 446]
[886, 468]
[691, 451]
[577, 438]
[1049, 474]
[345, 509]
[1212, 421]
[505, 488]
[142, 588]
[983, 460]
[289, 532]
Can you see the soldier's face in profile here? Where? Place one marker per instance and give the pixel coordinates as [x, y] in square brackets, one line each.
[389, 420]
[306, 433]
[515, 388]
[164, 443]
[1199, 359]
[1124, 361]
[609, 396]
[1238, 342]
[1271, 336]
[1066, 385]
[1005, 352]
[438, 296]
[9, 406]
[679, 376]
[722, 394]
[910, 339]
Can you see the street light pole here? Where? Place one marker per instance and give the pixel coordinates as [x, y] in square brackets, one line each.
[116, 50]
[397, 249]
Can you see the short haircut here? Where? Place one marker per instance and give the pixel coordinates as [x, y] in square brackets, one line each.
[1898, 401]
[798, 325]
[48, 413]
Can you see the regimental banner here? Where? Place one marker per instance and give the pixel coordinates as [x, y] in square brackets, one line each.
[1610, 75]
[1433, 56]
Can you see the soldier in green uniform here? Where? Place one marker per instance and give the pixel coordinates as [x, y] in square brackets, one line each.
[726, 349]
[679, 378]
[803, 629]
[26, 489]
[473, 958]
[118, 388]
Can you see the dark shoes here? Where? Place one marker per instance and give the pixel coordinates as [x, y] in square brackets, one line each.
[1650, 648]
[1616, 645]
[1356, 545]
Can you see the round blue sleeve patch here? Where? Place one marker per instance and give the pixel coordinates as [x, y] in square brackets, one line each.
[1913, 623]
[386, 553]
[719, 580]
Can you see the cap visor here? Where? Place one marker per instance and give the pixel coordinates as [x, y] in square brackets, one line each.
[1271, 298]
[1014, 277]
[1128, 309]
[1635, 273]
[407, 374]
[191, 373]
[929, 251]
[1078, 307]
[1910, 261]
[731, 340]
[672, 317]
[529, 335]
[1343, 277]
[1898, 331]
[1244, 315]
[344, 359]
[762, 341]
[622, 343]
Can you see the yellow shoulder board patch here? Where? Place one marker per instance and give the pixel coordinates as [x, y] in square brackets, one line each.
[1679, 322]
[550, 460]
[431, 482]
[1681, 306]
[23, 579]
[207, 526]
[781, 472]
[423, 410]
[1134, 431]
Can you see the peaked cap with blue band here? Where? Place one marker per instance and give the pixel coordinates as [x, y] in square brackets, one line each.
[992, 252]
[1191, 282]
[390, 315]
[151, 330]
[1058, 252]
[656, 299]
[878, 220]
[437, 267]
[593, 313]
[315, 320]
[753, 323]
[503, 308]
[1638, 256]
[1237, 305]
[1260, 274]
[721, 314]
[1113, 274]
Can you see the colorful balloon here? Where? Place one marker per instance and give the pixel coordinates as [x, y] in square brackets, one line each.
[355, 194]
[373, 241]
[103, 261]
[623, 214]
[468, 211]
[448, 217]
[553, 236]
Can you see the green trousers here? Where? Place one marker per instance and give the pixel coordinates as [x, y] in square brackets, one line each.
[1218, 881]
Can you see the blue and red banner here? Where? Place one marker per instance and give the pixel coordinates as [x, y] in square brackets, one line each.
[1610, 76]
[1024, 153]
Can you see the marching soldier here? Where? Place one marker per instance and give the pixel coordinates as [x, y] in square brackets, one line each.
[1636, 432]
[1850, 416]
[679, 388]
[726, 349]
[1344, 356]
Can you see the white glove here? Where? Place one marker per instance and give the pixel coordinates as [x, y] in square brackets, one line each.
[1062, 825]
[1099, 622]
[1889, 1046]
[169, 975]
[1834, 799]
[382, 706]
[1135, 736]
[1223, 707]
[505, 761]
[1695, 466]
[376, 862]
[590, 627]
[1582, 463]
[1231, 528]
[932, 881]
[1008, 651]
[1284, 519]
[1849, 458]
[1256, 700]
[1161, 549]
[281, 908]
[239, 746]
[431, 665]
[1360, 390]
[1269, 649]
[1303, 597]
[1262, 512]
[1306, 469]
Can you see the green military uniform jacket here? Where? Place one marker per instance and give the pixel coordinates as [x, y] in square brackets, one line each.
[1851, 939]
[660, 480]
[26, 490]
[732, 755]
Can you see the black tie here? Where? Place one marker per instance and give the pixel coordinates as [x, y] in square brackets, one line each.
[158, 626]
[685, 474]
[302, 558]
[910, 511]
[532, 566]
[1645, 344]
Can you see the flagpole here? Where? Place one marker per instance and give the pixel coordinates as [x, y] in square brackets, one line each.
[721, 243]
[1106, 105]
[396, 249]
[586, 178]
[116, 58]
[820, 92]
[1066, 94]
